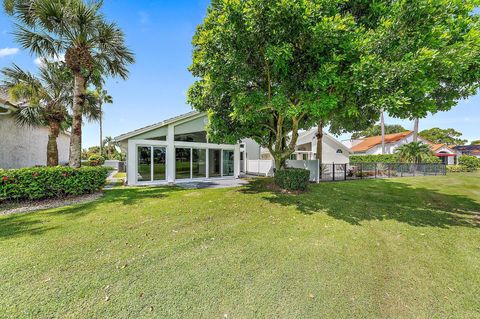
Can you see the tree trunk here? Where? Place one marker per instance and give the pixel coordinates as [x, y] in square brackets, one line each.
[101, 132]
[76, 136]
[415, 130]
[382, 125]
[52, 148]
[319, 135]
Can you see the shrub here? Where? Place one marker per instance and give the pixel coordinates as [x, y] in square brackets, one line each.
[432, 159]
[96, 160]
[381, 158]
[456, 168]
[470, 162]
[50, 182]
[292, 178]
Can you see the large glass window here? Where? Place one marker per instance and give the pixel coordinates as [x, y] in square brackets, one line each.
[144, 169]
[199, 163]
[182, 163]
[228, 163]
[159, 163]
[197, 137]
[214, 163]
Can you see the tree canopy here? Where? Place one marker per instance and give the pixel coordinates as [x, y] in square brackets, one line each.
[376, 130]
[268, 68]
[447, 136]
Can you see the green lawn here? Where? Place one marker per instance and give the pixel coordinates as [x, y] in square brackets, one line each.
[399, 248]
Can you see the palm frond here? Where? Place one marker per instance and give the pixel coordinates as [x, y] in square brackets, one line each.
[39, 43]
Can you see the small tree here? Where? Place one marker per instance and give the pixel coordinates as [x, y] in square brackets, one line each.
[414, 152]
[45, 100]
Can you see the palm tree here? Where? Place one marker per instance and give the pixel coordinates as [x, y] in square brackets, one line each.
[110, 145]
[45, 99]
[382, 126]
[92, 47]
[414, 152]
[102, 97]
[415, 129]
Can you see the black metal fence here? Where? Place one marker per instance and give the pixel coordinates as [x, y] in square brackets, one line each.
[342, 172]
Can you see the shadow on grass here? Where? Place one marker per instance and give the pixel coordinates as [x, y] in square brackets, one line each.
[34, 223]
[358, 201]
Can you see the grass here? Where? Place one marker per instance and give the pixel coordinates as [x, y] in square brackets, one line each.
[397, 248]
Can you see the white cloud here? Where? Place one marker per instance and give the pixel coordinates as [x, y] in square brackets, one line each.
[39, 61]
[8, 51]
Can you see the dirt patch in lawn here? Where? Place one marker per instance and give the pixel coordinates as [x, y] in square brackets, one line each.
[8, 208]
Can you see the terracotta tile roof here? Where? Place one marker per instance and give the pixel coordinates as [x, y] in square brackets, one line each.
[369, 142]
[435, 147]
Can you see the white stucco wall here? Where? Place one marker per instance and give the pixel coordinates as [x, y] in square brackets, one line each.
[27, 146]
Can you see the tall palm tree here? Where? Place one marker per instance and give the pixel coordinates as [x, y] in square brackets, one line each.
[414, 152]
[415, 129]
[102, 97]
[382, 126]
[45, 100]
[93, 48]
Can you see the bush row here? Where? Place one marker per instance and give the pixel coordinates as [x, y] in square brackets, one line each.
[387, 158]
[470, 163]
[292, 178]
[50, 182]
[456, 168]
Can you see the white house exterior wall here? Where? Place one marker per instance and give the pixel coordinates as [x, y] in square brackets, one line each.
[27, 146]
[170, 144]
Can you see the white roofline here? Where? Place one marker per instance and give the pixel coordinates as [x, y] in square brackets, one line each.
[158, 125]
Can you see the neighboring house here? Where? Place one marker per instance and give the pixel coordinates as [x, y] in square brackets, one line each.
[472, 150]
[333, 151]
[373, 146]
[178, 149]
[25, 146]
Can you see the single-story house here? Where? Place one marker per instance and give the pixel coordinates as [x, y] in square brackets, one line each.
[333, 151]
[373, 146]
[472, 150]
[178, 149]
[25, 146]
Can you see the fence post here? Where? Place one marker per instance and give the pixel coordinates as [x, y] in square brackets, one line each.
[389, 173]
[345, 172]
[333, 171]
[424, 170]
[361, 170]
[375, 170]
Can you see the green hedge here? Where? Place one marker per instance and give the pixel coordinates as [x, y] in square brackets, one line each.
[471, 163]
[387, 158]
[96, 160]
[292, 178]
[456, 168]
[50, 182]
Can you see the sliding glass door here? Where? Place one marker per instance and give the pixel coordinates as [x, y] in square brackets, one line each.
[151, 163]
[228, 160]
[182, 163]
[144, 168]
[199, 163]
[214, 163]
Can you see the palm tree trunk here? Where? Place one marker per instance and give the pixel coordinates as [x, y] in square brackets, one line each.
[382, 125]
[52, 148]
[415, 129]
[319, 136]
[101, 137]
[76, 137]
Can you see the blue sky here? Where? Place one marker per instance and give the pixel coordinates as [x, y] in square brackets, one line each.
[160, 32]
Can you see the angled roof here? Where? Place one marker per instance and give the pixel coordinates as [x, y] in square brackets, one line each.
[306, 136]
[369, 142]
[157, 125]
[469, 149]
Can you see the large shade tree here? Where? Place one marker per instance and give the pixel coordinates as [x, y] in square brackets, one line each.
[93, 48]
[376, 130]
[269, 68]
